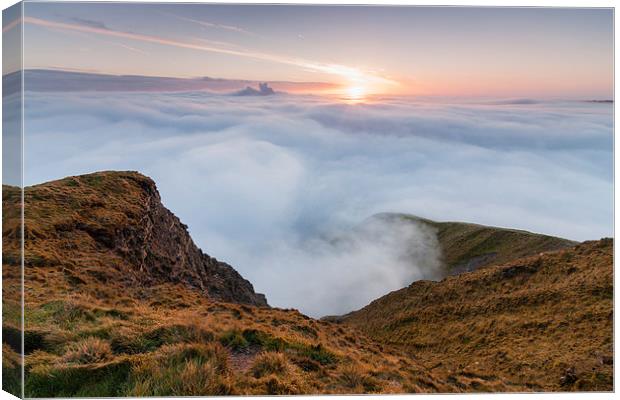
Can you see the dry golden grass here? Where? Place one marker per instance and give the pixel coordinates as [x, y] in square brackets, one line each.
[92, 331]
[182, 370]
[270, 363]
[83, 346]
[88, 351]
[466, 247]
[529, 321]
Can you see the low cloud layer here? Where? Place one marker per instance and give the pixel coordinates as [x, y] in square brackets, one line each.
[278, 187]
[46, 80]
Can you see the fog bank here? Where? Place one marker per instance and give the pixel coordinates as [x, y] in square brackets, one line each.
[278, 187]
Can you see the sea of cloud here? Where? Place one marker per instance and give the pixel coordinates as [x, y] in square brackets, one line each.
[281, 187]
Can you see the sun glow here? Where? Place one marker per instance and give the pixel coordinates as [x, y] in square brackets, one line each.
[361, 86]
[355, 94]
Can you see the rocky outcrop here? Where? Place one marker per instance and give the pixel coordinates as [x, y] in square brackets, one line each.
[161, 245]
[118, 217]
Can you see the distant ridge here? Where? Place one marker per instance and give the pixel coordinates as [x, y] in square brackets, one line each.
[50, 80]
[467, 247]
[263, 90]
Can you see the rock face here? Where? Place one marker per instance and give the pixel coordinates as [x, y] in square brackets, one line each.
[161, 245]
[115, 221]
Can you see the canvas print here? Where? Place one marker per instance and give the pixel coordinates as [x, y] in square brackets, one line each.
[227, 199]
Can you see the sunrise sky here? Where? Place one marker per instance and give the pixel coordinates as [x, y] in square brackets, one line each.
[499, 52]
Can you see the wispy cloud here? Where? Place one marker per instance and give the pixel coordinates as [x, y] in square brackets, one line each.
[11, 25]
[100, 25]
[89, 22]
[346, 73]
[218, 43]
[211, 24]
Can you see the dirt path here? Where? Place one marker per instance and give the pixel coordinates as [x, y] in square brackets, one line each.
[241, 360]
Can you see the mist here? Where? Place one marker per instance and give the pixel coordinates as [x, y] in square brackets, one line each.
[340, 271]
[282, 188]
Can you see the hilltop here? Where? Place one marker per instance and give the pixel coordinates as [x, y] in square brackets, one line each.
[543, 322]
[110, 228]
[119, 301]
[467, 247]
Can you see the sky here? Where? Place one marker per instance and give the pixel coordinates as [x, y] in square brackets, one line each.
[532, 52]
[455, 114]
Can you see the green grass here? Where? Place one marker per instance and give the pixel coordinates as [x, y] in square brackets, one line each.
[11, 371]
[182, 370]
[462, 243]
[105, 380]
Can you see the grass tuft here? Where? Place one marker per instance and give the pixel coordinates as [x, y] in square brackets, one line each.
[270, 363]
[88, 351]
[182, 370]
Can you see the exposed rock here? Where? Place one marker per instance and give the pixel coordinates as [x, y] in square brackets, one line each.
[569, 377]
[123, 215]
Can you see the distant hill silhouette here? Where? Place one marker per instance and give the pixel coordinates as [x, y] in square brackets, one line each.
[263, 90]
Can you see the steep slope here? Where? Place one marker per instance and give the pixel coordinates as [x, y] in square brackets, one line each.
[119, 301]
[110, 228]
[466, 247]
[543, 322]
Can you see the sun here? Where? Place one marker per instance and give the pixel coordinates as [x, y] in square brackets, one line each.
[355, 93]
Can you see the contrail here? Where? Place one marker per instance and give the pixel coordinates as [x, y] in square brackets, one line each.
[210, 24]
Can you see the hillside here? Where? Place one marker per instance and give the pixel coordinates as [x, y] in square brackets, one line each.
[543, 322]
[119, 301]
[467, 247]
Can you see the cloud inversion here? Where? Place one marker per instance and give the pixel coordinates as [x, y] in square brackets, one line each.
[278, 187]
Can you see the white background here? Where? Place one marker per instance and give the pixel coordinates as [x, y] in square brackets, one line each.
[488, 3]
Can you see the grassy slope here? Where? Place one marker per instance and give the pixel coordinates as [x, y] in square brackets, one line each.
[466, 247]
[543, 322]
[11, 290]
[91, 330]
[81, 346]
